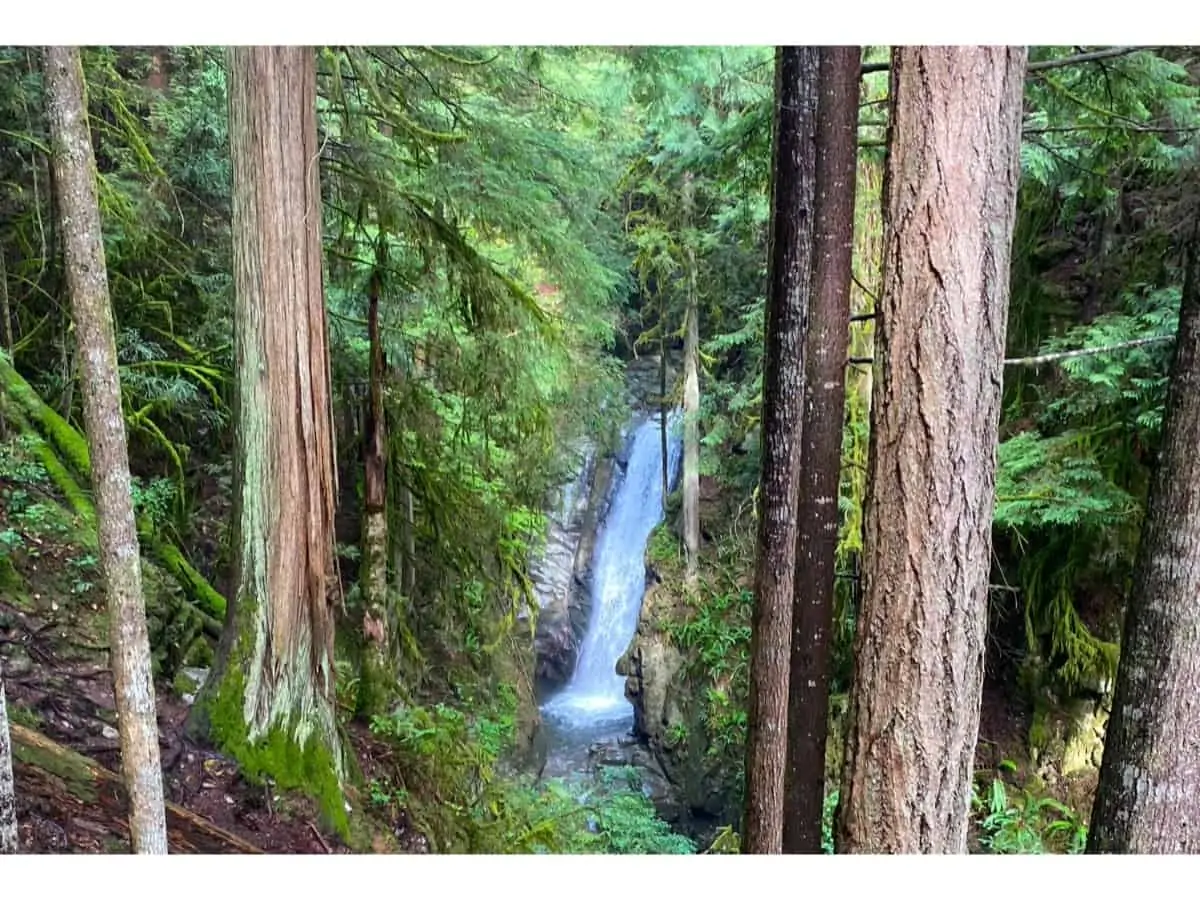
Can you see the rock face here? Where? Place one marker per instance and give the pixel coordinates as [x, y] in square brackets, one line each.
[560, 574]
[698, 790]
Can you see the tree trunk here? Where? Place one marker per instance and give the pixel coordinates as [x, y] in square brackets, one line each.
[9, 842]
[825, 352]
[376, 681]
[6, 335]
[663, 406]
[950, 188]
[6, 332]
[691, 398]
[274, 674]
[120, 560]
[792, 187]
[1147, 801]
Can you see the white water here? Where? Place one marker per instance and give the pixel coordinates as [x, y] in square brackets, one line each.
[594, 699]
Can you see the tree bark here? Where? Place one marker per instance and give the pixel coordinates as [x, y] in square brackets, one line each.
[375, 683]
[120, 560]
[9, 842]
[790, 255]
[950, 189]
[691, 399]
[825, 353]
[6, 335]
[6, 332]
[275, 665]
[1147, 800]
[663, 408]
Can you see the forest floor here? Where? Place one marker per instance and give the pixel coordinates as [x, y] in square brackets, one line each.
[53, 648]
[54, 652]
[59, 688]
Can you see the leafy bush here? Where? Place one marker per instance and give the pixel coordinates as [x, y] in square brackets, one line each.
[1029, 824]
[446, 777]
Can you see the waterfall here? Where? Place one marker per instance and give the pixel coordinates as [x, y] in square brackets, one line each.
[595, 695]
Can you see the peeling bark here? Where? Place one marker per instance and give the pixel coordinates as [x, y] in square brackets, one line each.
[120, 560]
[792, 187]
[825, 353]
[1148, 800]
[278, 651]
[950, 189]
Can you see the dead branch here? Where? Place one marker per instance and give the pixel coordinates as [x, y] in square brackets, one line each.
[1032, 361]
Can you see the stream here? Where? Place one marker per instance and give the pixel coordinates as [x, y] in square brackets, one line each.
[592, 706]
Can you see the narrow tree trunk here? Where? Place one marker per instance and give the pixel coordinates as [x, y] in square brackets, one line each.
[1147, 799]
[375, 683]
[691, 397]
[274, 676]
[120, 560]
[9, 842]
[792, 186]
[663, 406]
[950, 191]
[821, 446]
[6, 335]
[6, 332]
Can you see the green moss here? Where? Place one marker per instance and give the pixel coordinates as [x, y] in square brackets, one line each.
[10, 579]
[19, 715]
[68, 766]
[308, 768]
[68, 444]
[193, 583]
[1040, 730]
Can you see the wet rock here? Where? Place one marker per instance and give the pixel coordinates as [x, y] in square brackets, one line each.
[690, 789]
[188, 682]
[561, 575]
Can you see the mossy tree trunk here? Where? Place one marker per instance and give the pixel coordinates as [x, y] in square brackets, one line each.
[120, 560]
[376, 683]
[1147, 799]
[270, 701]
[691, 394]
[950, 188]
[8, 796]
[821, 446]
[6, 334]
[792, 187]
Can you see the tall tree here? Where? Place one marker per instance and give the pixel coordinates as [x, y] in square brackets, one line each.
[825, 352]
[691, 392]
[274, 675]
[74, 167]
[9, 842]
[950, 201]
[790, 264]
[1146, 801]
[374, 687]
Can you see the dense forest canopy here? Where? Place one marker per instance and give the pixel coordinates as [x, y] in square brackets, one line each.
[524, 253]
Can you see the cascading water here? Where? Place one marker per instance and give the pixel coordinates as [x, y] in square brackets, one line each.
[594, 699]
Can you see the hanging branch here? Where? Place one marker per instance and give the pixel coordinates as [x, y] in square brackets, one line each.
[1078, 58]
[1030, 361]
